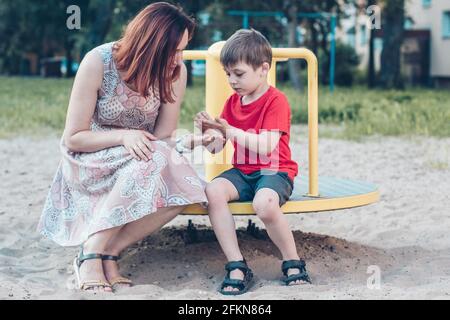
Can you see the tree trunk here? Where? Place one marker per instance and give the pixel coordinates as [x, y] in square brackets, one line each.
[393, 21]
[189, 80]
[314, 38]
[103, 13]
[325, 72]
[293, 64]
[371, 68]
[69, 44]
[193, 7]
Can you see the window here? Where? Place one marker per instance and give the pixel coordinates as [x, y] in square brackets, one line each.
[426, 3]
[446, 24]
[351, 39]
[363, 35]
[204, 18]
[378, 44]
[409, 23]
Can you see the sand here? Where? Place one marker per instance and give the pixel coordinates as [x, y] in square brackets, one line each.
[405, 236]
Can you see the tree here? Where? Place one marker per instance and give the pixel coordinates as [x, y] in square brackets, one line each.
[291, 11]
[392, 24]
[324, 29]
[371, 69]
[35, 27]
[193, 8]
[319, 30]
[99, 17]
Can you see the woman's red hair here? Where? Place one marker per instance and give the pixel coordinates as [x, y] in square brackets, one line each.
[148, 48]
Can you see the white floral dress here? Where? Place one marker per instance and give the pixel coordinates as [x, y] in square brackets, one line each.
[108, 188]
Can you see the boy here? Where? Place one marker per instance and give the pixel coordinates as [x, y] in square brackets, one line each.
[263, 171]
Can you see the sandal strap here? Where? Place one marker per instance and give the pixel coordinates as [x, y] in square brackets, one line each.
[92, 256]
[94, 283]
[83, 257]
[233, 265]
[235, 283]
[303, 276]
[108, 257]
[120, 280]
[241, 285]
[293, 264]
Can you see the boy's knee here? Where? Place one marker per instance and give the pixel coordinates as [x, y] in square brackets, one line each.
[266, 208]
[215, 193]
[211, 190]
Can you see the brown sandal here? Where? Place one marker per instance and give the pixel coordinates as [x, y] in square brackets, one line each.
[117, 280]
[88, 284]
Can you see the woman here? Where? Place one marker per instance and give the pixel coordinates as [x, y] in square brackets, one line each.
[119, 179]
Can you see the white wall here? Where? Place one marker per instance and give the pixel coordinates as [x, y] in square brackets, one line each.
[431, 18]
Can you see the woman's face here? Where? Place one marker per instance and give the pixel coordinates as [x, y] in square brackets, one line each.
[181, 46]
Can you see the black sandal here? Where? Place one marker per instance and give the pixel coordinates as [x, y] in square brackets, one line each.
[295, 264]
[118, 280]
[241, 285]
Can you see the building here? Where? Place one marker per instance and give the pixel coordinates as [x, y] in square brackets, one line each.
[426, 46]
[434, 16]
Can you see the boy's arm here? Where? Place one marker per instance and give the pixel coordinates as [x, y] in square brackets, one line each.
[275, 123]
[263, 143]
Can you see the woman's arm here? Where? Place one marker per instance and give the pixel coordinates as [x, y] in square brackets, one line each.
[77, 134]
[169, 113]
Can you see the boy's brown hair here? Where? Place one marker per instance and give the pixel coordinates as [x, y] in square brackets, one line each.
[248, 46]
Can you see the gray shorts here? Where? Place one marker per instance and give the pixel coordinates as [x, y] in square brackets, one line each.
[248, 185]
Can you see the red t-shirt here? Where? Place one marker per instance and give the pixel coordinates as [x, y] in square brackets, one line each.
[270, 112]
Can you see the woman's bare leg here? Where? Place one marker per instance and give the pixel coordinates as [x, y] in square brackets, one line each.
[93, 269]
[134, 232]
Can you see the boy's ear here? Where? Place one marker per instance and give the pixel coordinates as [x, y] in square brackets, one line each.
[266, 67]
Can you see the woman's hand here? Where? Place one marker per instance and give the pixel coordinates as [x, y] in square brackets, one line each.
[138, 143]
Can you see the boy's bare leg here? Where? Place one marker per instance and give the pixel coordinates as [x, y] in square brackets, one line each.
[219, 192]
[266, 206]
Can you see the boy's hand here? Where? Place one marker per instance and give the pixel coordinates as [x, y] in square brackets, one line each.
[213, 142]
[200, 117]
[208, 140]
[217, 124]
[213, 139]
[201, 140]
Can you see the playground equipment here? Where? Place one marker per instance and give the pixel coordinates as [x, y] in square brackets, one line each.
[311, 193]
[331, 17]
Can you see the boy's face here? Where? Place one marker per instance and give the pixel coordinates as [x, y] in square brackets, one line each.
[244, 79]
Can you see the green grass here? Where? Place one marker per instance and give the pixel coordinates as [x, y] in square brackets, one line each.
[35, 106]
[363, 112]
